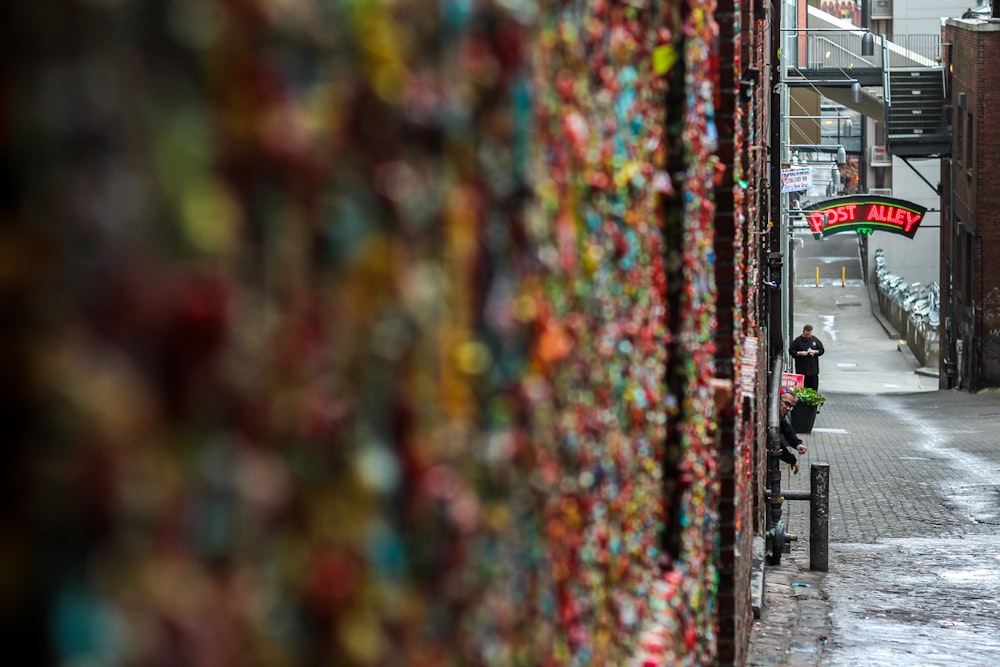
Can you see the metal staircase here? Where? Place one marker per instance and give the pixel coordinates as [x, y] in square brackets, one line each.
[916, 120]
[904, 81]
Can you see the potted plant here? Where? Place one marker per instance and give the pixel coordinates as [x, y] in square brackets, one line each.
[807, 404]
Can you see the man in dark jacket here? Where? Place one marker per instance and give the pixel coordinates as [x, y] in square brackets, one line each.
[806, 351]
[789, 438]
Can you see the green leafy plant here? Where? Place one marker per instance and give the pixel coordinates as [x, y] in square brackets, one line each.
[807, 396]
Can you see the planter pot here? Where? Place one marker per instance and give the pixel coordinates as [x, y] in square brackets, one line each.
[803, 417]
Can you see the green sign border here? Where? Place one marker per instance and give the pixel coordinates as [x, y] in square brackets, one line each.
[866, 226]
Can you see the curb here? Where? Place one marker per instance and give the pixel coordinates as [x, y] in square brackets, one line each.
[890, 331]
[797, 625]
[757, 577]
[908, 355]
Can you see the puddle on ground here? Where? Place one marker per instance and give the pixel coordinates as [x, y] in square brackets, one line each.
[934, 602]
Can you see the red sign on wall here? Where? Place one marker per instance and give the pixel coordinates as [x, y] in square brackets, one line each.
[865, 214]
[792, 381]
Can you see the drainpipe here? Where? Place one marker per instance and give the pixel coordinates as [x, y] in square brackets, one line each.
[775, 537]
[950, 363]
[774, 258]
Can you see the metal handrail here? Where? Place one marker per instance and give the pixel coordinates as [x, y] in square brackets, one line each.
[886, 93]
[845, 50]
[892, 52]
[849, 46]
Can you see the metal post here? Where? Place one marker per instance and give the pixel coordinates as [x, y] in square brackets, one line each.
[774, 447]
[775, 535]
[819, 517]
[774, 485]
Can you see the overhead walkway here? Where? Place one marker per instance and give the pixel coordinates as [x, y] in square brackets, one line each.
[902, 84]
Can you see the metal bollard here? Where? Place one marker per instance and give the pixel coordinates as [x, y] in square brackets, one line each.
[819, 517]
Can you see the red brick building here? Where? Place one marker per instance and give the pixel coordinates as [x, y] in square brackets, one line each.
[741, 214]
[385, 336]
[970, 224]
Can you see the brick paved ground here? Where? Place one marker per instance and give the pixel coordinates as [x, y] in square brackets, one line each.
[921, 465]
[796, 626]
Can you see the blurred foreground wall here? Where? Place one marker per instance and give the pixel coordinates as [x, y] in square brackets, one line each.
[365, 333]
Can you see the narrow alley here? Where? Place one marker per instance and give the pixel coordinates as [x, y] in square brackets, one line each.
[402, 334]
[914, 560]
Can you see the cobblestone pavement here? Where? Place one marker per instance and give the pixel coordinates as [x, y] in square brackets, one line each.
[796, 624]
[914, 557]
[914, 565]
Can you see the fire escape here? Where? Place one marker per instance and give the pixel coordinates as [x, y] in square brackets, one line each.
[901, 84]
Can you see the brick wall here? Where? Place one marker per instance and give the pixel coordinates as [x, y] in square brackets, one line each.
[972, 238]
[728, 234]
[986, 195]
[742, 116]
[365, 335]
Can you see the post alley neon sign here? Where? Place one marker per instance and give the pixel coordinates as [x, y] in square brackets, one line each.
[864, 214]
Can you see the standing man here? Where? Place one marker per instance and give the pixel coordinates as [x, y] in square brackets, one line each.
[806, 351]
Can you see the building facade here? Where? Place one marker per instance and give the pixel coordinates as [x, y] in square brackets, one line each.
[970, 227]
[373, 335]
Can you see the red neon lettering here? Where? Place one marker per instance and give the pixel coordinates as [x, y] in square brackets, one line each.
[832, 216]
[816, 221]
[902, 218]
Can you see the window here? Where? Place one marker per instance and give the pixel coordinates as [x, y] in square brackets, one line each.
[967, 269]
[959, 126]
[881, 9]
[969, 160]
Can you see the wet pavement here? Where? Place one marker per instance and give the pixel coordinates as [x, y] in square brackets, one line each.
[916, 601]
[914, 559]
